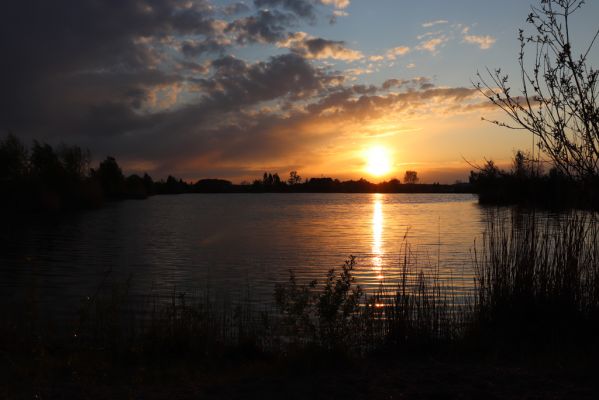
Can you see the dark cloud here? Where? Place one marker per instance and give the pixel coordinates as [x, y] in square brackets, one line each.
[222, 121]
[236, 8]
[420, 83]
[66, 59]
[314, 47]
[302, 8]
[199, 47]
[267, 26]
[236, 83]
[358, 103]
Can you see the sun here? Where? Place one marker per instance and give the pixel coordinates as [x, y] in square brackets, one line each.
[378, 161]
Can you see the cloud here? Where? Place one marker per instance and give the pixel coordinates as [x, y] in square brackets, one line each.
[72, 62]
[267, 26]
[302, 8]
[419, 83]
[318, 48]
[236, 83]
[358, 71]
[483, 42]
[235, 9]
[432, 45]
[393, 53]
[433, 23]
[194, 48]
[337, 14]
[336, 3]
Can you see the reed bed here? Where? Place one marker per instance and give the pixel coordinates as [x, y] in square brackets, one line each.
[537, 283]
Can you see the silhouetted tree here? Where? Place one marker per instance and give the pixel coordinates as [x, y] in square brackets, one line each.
[44, 163]
[111, 178]
[149, 184]
[75, 161]
[13, 159]
[410, 177]
[523, 166]
[135, 187]
[489, 172]
[294, 178]
[172, 186]
[559, 99]
[270, 182]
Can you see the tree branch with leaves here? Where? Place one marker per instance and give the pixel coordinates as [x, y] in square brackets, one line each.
[558, 99]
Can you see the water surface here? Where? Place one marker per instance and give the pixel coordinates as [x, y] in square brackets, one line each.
[234, 244]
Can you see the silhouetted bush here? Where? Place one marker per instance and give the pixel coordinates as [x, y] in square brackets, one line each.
[172, 185]
[135, 187]
[213, 186]
[329, 317]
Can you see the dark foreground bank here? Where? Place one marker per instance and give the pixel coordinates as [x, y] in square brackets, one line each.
[303, 377]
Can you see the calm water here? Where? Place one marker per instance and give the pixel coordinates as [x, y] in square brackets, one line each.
[235, 244]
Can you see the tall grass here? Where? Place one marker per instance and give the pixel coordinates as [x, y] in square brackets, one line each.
[537, 285]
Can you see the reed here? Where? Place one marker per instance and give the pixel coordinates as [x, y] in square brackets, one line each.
[537, 283]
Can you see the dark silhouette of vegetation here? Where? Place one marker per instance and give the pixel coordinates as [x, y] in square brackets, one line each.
[538, 284]
[410, 177]
[526, 184]
[330, 317]
[557, 105]
[213, 185]
[172, 185]
[111, 178]
[45, 178]
[294, 178]
[272, 183]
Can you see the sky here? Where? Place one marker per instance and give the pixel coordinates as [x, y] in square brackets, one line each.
[228, 89]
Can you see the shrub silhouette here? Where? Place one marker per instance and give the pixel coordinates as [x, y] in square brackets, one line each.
[330, 316]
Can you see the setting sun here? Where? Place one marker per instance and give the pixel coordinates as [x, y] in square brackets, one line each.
[378, 161]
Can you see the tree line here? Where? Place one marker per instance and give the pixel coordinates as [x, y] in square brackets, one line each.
[527, 183]
[273, 183]
[42, 177]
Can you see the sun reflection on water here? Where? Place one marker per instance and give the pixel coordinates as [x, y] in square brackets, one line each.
[377, 236]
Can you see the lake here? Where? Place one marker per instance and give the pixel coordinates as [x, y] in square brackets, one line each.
[236, 245]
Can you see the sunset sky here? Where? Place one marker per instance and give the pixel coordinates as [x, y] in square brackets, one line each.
[207, 88]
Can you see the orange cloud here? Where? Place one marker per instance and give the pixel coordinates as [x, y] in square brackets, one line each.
[484, 42]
